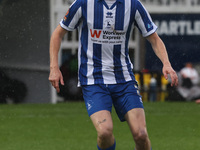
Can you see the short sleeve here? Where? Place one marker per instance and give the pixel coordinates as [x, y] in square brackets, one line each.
[143, 20]
[72, 17]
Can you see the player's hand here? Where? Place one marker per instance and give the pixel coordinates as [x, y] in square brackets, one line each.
[168, 70]
[55, 77]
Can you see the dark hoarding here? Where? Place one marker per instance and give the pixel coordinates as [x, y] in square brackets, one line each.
[181, 35]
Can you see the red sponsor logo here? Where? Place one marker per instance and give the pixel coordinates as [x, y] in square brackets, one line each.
[95, 33]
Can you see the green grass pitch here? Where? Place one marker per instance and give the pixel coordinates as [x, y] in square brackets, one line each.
[66, 126]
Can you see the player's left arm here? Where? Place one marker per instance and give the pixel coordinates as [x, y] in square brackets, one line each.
[160, 50]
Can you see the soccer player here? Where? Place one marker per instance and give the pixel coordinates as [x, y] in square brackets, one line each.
[105, 71]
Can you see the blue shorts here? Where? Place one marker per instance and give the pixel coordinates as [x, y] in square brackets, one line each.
[124, 97]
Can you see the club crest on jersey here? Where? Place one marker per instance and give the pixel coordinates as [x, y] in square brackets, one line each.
[109, 24]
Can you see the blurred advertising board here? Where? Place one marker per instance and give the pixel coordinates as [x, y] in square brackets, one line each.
[181, 35]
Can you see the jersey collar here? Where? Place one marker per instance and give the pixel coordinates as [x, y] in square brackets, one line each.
[121, 1]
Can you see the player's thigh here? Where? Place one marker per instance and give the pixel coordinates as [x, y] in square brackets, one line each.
[102, 121]
[125, 98]
[136, 121]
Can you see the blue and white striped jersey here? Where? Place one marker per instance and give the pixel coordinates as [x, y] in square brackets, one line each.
[103, 38]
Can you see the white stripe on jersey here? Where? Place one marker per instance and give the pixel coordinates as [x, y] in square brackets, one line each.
[107, 50]
[140, 22]
[126, 24]
[90, 20]
[127, 13]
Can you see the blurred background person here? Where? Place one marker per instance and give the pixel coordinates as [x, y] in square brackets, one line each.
[189, 87]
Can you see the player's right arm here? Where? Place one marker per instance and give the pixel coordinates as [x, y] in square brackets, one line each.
[55, 75]
[69, 23]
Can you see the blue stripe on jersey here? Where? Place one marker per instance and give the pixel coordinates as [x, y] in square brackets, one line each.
[72, 11]
[129, 65]
[97, 58]
[97, 73]
[98, 15]
[119, 18]
[132, 19]
[145, 18]
[118, 71]
[133, 10]
[84, 46]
